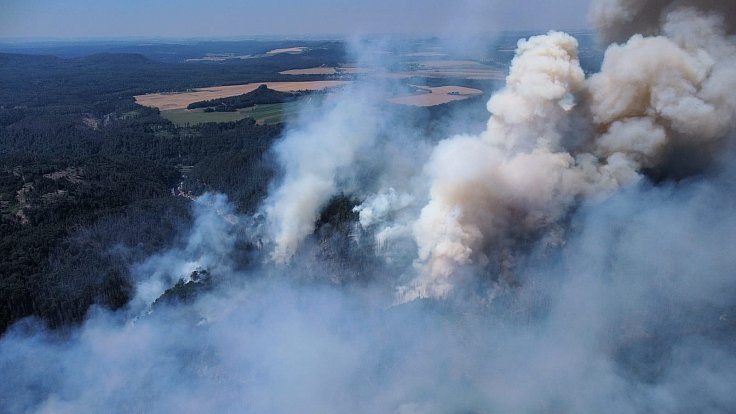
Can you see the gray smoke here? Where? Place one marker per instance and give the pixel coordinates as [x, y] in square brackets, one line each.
[634, 314]
[617, 20]
[533, 267]
[314, 155]
[662, 103]
[660, 95]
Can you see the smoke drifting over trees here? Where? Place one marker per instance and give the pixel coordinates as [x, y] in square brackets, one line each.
[572, 257]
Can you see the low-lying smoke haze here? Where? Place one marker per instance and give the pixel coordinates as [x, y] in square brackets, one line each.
[573, 256]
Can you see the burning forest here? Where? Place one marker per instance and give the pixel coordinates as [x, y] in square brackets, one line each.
[573, 255]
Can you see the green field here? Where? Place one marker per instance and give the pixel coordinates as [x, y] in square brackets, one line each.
[184, 116]
[271, 114]
[263, 114]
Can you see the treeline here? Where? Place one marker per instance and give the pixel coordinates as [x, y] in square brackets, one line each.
[260, 96]
[327, 52]
[100, 84]
[42, 202]
[137, 134]
[62, 201]
[88, 179]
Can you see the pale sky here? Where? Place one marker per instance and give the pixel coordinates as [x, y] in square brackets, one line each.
[229, 18]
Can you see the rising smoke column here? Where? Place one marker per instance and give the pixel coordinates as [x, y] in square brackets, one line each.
[312, 157]
[667, 100]
[661, 103]
[516, 177]
[618, 20]
[648, 270]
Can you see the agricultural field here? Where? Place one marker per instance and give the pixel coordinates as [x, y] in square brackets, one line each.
[428, 96]
[183, 117]
[269, 114]
[463, 69]
[289, 50]
[180, 100]
[275, 113]
[435, 69]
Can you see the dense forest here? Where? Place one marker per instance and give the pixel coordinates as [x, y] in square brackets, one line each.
[91, 182]
[102, 83]
[79, 174]
[83, 168]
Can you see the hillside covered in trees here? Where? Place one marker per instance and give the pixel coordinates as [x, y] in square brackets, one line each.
[84, 169]
[91, 182]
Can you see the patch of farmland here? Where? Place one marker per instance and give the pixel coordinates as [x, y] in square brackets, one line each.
[269, 114]
[183, 117]
[180, 100]
[289, 50]
[436, 96]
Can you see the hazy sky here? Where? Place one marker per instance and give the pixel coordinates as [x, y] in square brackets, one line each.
[219, 18]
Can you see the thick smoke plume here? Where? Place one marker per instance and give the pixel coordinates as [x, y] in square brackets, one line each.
[661, 103]
[634, 314]
[516, 177]
[657, 97]
[314, 155]
[617, 20]
[571, 257]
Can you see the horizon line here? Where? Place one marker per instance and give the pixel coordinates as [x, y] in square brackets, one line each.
[265, 37]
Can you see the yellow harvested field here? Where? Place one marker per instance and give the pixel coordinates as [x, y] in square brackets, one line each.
[291, 50]
[466, 69]
[437, 96]
[438, 69]
[180, 100]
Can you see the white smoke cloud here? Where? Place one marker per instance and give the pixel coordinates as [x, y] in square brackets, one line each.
[623, 291]
[617, 20]
[312, 156]
[575, 337]
[656, 93]
[209, 246]
[513, 179]
[654, 99]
